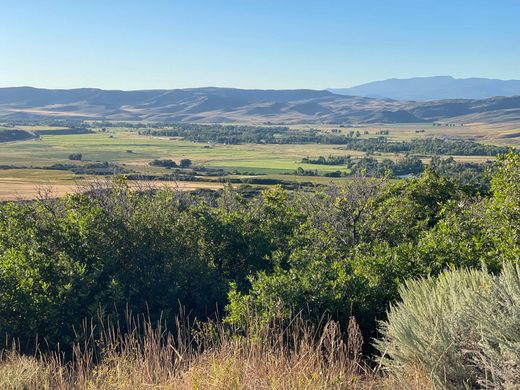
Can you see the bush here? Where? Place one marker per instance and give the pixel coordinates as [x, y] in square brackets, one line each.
[75, 156]
[62, 260]
[185, 163]
[461, 327]
[163, 163]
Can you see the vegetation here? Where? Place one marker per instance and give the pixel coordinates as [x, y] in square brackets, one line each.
[230, 134]
[151, 357]
[75, 156]
[10, 135]
[169, 163]
[236, 134]
[369, 166]
[461, 327]
[103, 141]
[340, 250]
[470, 175]
[185, 163]
[260, 260]
[331, 160]
[428, 146]
[100, 168]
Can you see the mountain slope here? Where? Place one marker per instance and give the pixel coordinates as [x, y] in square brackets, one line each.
[238, 105]
[433, 88]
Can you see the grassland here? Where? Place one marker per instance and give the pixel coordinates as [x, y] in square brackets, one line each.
[133, 151]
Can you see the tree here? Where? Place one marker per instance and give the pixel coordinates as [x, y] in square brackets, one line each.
[185, 163]
[75, 156]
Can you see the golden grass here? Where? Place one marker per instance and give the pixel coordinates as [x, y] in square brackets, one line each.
[19, 189]
[206, 357]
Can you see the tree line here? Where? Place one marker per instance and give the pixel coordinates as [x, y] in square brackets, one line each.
[469, 174]
[238, 134]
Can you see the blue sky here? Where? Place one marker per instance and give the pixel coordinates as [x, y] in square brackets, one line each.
[129, 44]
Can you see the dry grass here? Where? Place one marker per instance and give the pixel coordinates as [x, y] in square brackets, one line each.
[207, 356]
[11, 189]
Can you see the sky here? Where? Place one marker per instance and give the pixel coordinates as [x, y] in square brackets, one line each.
[150, 44]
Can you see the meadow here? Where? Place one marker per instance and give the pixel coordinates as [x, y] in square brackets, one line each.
[127, 148]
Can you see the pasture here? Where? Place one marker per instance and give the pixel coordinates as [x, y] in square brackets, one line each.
[133, 151]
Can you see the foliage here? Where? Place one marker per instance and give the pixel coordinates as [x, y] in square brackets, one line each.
[167, 163]
[335, 251]
[428, 146]
[474, 177]
[462, 327]
[361, 242]
[63, 260]
[75, 156]
[331, 160]
[239, 134]
[185, 163]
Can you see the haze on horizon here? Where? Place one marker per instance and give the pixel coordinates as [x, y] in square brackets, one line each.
[253, 44]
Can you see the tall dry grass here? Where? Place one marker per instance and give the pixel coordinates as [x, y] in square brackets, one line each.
[203, 356]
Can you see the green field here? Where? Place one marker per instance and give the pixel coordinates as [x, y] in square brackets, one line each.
[133, 151]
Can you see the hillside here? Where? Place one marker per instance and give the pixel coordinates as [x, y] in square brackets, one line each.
[238, 105]
[434, 88]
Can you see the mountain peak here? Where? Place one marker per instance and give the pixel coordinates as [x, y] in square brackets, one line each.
[434, 88]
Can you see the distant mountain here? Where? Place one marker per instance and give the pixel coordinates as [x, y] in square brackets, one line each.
[434, 88]
[226, 105]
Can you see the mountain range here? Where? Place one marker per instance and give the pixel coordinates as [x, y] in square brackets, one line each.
[434, 88]
[226, 105]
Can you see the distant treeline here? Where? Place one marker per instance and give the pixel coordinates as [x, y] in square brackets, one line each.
[97, 168]
[331, 160]
[368, 166]
[51, 122]
[9, 135]
[466, 174]
[225, 134]
[238, 134]
[430, 146]
[66, 131]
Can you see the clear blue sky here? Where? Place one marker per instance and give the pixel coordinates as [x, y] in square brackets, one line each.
[141, 44]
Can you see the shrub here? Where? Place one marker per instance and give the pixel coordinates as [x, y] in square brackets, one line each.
[75, 156]
[185, 163]
[461, 327]
[163, 163]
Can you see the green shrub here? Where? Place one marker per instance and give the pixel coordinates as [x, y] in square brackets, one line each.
[75, 156]
[114, 249]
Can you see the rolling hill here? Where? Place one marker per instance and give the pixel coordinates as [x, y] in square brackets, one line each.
[238, 105]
